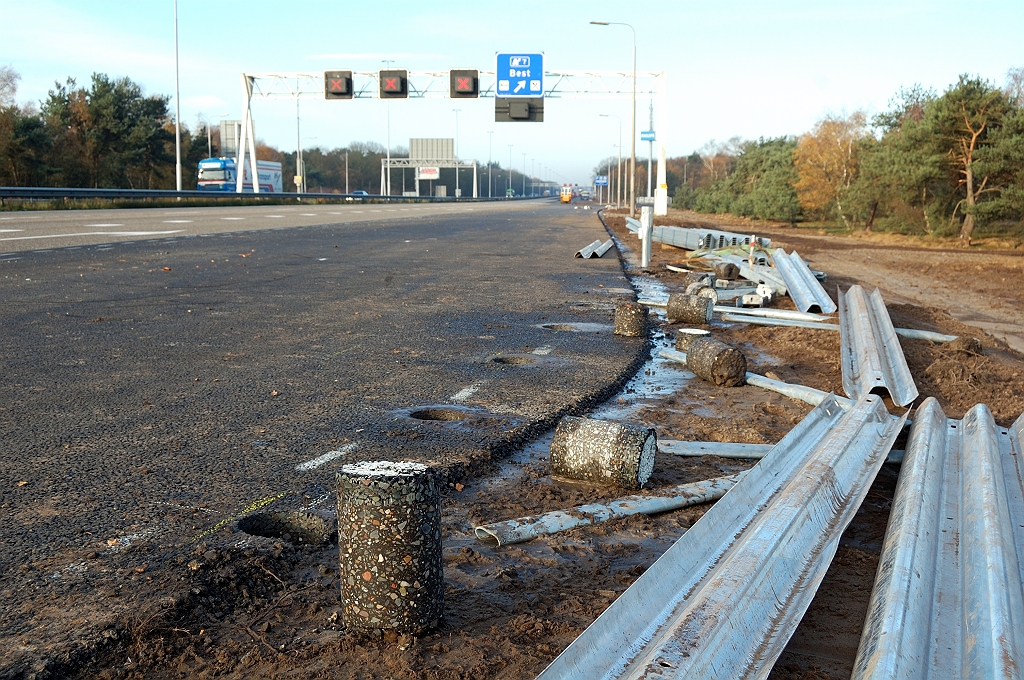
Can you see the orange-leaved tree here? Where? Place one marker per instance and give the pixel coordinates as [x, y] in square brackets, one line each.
[826, 162]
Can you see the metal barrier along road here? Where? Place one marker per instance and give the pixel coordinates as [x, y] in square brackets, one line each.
[725, 599]
[807, 293]
[871, 354]
[948, 600]
[113, 194]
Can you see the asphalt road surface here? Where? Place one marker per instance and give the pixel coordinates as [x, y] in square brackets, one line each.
[155, 387]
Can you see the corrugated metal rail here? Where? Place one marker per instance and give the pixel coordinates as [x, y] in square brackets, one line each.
[725, 599]
[807, 293]
[595, 249]
[871, 355]
[948, 600]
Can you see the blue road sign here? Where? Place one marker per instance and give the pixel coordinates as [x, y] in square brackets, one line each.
[601, 181]
[647, 136]
[520, 74]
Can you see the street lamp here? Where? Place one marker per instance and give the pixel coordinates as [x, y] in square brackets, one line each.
[509, 190]
[632, 137]
[524, 174]
[533, 175]
[490, 142]
[618, 168]
[456, 152]
[301, 165]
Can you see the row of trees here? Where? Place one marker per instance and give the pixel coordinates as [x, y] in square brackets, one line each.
[931, 164]
[112, 135]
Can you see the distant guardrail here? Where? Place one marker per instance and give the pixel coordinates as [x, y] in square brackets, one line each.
[48, 193]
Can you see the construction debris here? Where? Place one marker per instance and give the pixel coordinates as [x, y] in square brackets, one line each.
[871, 355]
[602, 452]
[595, 249]
[948, 598]
[807, 293]
[682, 308]
[685, 336]
[389, 540]
[631, 319]
[716, 362]
[672, 498]
[725, 599]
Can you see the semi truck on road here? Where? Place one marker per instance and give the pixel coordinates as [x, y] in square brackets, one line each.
[219, 174]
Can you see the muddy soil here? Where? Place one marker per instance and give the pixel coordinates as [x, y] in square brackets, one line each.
[261, 607]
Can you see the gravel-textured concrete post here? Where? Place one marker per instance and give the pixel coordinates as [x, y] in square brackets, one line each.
[689, 309]
[716, 362]
[389, 540]
[630, 319]
[603, 452]
[686, 336]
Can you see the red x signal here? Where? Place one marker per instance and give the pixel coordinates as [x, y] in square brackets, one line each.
[391, 84]
[463, 84]
[336, 85]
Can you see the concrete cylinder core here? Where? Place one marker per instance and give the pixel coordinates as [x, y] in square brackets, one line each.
[691, 309]
[389, 543]
[603, 452]
[630, 319]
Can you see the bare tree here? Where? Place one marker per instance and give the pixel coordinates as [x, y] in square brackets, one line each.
[1014, 88]
[8, 85]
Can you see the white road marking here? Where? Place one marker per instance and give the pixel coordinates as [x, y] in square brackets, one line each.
[92, 233]
[543, 351]
[9, 231]
[19, 217]
[466, 392]
[308, 214]
[177, 221]
[232, 218]
[326, 458]
[111, 224]
[275, 216]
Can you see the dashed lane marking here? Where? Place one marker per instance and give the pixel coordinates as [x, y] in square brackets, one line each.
[92, 233]
[177, 221]
[543, 351]
[324, 459]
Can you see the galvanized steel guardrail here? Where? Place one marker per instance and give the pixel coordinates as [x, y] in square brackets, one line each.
[38, 193]
[948, 600]
[595, 249]
[807, 293]
[725, 599]
[871, 355]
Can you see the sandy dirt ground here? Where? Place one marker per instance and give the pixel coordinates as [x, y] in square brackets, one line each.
[272, 609]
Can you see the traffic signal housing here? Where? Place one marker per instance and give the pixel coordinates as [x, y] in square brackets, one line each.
[394, 84]
[464, 83]
[337, 84]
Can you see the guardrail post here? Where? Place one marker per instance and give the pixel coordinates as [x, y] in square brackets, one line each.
[646, 231]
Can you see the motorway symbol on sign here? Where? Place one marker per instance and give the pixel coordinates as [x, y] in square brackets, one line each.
[647, 136]
[519, 74]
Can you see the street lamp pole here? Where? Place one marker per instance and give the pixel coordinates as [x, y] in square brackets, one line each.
[387, 182]
[456, 153]
[509, 168]
[632, 138]
[490, 143]
[524, 174]
[177, 103]
[618, 168]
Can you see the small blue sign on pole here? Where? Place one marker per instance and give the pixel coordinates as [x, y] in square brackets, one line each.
[647, 136]
[601, 181]
[520, 74]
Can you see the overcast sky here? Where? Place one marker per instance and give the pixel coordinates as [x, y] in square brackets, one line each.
[734, 67]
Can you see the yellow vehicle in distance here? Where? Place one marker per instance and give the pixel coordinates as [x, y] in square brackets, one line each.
[567, 193]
